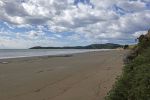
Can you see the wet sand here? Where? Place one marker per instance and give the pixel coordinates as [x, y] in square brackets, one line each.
[85, 76]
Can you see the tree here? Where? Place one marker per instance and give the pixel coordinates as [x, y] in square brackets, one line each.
[126, 46]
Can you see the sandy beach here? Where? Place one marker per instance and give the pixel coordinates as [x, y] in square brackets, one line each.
[85, 76]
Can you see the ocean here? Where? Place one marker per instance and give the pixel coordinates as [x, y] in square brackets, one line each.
[19, 53]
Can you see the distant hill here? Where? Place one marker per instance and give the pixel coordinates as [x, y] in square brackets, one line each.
[92, 46]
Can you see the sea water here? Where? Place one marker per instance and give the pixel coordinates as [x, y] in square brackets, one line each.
[18, 53]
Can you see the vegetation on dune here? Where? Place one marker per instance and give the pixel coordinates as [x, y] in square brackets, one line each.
[134, 83]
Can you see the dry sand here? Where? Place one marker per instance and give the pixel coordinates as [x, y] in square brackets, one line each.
[86, 76]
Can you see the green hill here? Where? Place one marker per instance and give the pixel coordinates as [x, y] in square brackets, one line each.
[92, 46]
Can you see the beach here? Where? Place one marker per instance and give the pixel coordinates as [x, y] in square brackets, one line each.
[82, 76]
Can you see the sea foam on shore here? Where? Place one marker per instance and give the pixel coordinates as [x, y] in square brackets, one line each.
[19, 53]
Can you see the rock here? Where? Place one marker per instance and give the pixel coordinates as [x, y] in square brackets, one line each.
[4, 62]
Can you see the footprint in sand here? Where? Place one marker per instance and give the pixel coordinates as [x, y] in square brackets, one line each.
[41, 71]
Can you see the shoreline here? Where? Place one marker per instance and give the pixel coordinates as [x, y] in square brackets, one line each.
[61, 78]
[50, 56]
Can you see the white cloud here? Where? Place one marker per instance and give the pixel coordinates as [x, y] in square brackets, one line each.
[6, 42]
[100, 19]
[137, 34]
[131, 6]
[26, 39]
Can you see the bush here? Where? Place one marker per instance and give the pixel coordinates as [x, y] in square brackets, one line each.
[126, 47]
[134, 83]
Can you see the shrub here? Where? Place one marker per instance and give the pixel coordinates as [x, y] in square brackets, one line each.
[126, 47]
[134, 83]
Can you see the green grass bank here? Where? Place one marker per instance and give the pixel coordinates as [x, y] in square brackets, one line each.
[134, 83]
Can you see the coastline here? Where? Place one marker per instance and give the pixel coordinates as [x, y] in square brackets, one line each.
[51, 54]
[82, 76]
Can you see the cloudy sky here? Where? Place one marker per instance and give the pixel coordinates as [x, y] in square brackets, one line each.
[27, 23]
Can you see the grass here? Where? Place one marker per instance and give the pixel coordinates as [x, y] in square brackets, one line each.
[134, 83]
